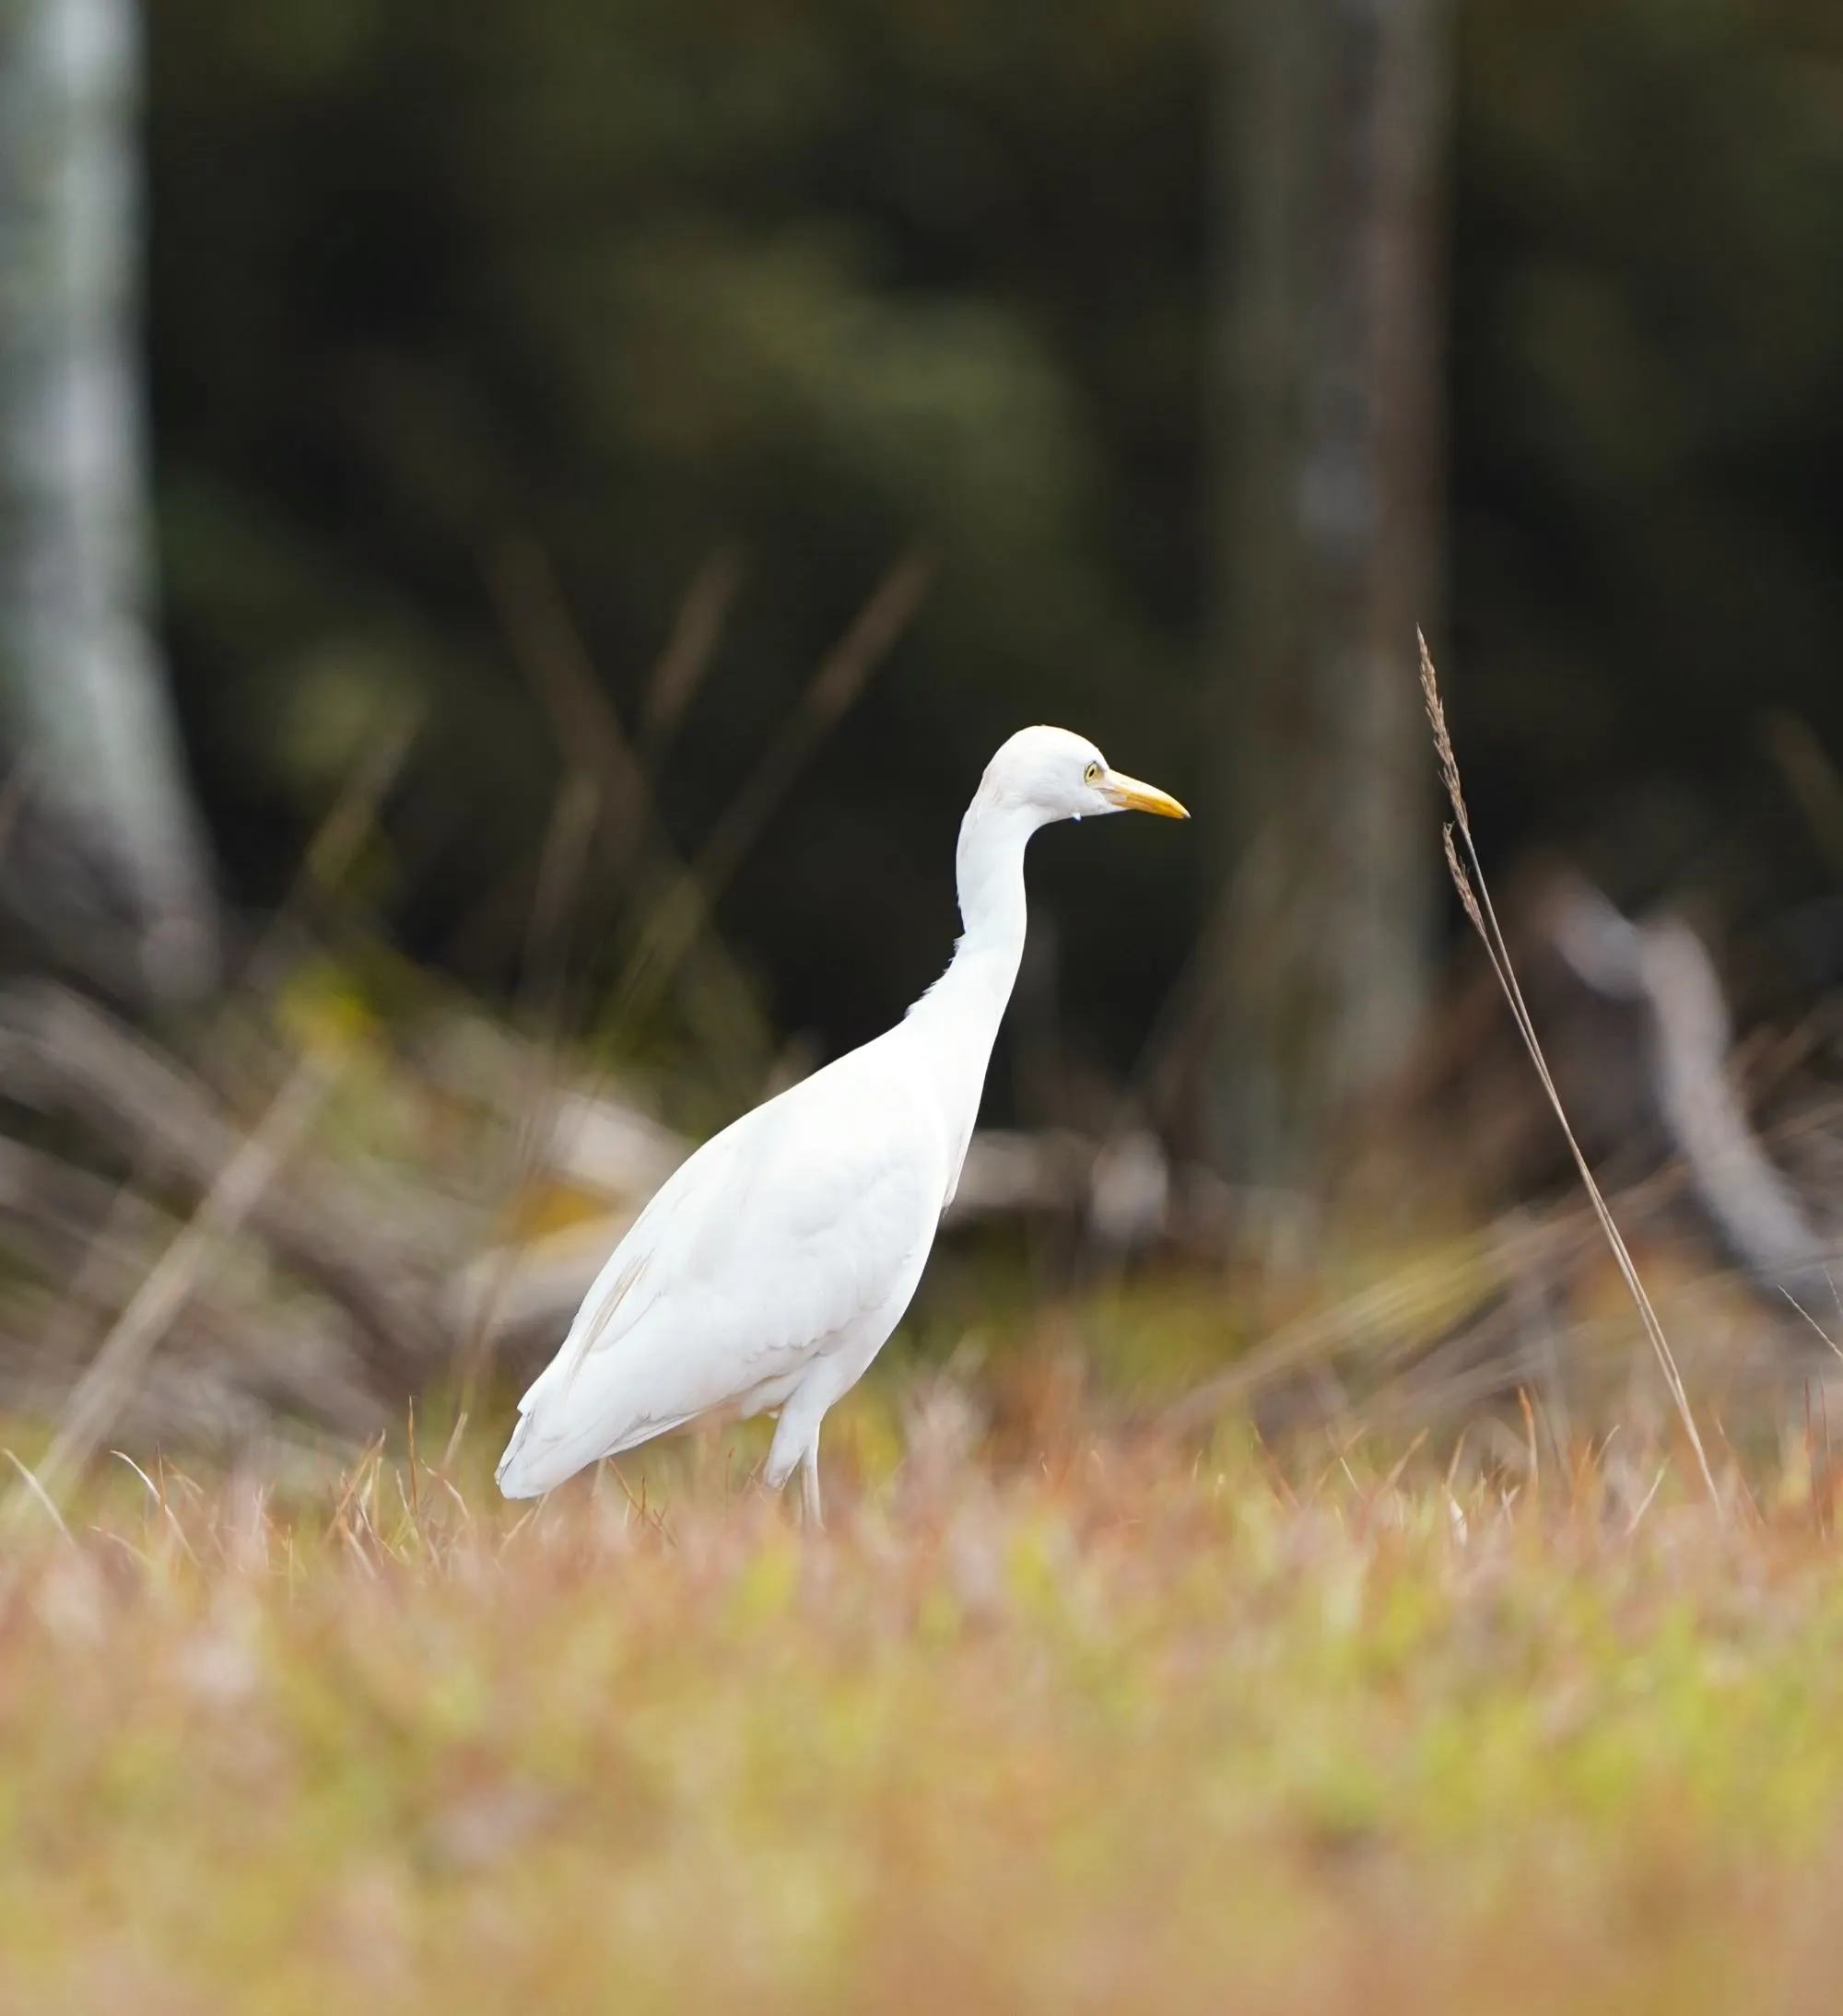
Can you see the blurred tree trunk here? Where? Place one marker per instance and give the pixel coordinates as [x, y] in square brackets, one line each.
[84, 690]
[1329, 453]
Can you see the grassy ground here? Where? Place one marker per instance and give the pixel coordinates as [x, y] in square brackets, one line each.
[1103, 1729]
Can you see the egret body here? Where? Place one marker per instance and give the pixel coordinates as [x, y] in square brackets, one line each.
[772, 1266]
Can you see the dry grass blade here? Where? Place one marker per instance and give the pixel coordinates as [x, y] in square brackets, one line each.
[1815, 783]
[1468, 874]
[161, 1505]
[872, 635]
[1830, 1343]
[679, 917]
[688, 654]
[335, 846]
[562, 868]
[551, 653]
[30, 1491]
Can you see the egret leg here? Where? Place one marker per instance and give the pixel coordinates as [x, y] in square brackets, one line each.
[796, 1441]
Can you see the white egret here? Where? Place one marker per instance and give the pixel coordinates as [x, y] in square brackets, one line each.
[772, 1266]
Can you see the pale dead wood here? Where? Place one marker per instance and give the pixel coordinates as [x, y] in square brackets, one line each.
[57, 1051]
[116, 1369]
[1665, 965]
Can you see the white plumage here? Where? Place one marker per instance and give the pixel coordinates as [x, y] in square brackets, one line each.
[772, 1266]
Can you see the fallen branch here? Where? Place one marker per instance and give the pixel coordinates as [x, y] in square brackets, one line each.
[1666, 966]
[57, 1049]
[117, 1367]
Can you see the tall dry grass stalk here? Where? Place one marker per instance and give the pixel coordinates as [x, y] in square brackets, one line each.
[1468, 875]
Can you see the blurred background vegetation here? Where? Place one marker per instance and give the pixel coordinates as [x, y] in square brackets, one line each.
[814, 283]
[647, 284]
[542, 388]
[520, 524]
[808, 285]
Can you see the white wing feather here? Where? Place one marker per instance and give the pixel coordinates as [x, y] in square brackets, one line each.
[777, 1241]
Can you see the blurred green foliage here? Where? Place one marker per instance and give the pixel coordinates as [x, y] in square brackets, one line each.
[1648, 424]
[643, 279]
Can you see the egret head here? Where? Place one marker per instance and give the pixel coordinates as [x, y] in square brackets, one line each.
[1055, 775]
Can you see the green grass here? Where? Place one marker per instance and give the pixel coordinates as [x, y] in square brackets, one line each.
[1100, 1729]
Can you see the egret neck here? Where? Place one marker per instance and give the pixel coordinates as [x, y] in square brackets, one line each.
[958, 1018]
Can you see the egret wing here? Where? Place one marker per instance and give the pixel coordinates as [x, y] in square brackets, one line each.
[778, 1239]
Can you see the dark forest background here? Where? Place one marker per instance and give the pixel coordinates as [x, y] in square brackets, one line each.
[651, 283]
[538, 397]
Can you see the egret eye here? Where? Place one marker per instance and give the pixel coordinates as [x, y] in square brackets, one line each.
[1092, 774]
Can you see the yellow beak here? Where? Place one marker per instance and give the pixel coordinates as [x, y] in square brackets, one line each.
[1130, 795]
